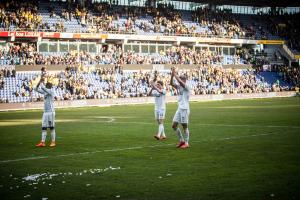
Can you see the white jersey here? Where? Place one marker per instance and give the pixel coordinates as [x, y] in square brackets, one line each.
[183, 96]
[160, 99]
[48, 98]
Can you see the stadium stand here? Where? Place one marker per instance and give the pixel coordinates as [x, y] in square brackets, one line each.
[163, 20]
[213, 39]
[27, 54]
[118, 83]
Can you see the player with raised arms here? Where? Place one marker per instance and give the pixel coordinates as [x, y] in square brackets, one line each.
[158, 91]
[48, 120]
[182, 114]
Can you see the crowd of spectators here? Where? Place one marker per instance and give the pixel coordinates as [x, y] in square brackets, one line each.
[103, 17]
[166, 16]
[287, 27]
[21, 15]
[18, 53]
[220, 23]
[217, 80]
[118, 83]
[291, 75]
[26, 54]
[24, 16]
[165, 19]
[6, 73]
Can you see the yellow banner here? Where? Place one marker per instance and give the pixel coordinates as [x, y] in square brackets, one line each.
[270, 42]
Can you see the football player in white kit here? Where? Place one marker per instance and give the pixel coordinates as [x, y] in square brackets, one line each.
[182, 114]
[48, 120]
[159, 93]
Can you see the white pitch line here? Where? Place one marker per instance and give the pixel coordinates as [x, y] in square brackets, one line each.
[24, 159]
[248, 125]
[130, 148]
[111, 120]
[146, 123]
[122, 149]
[229, 125]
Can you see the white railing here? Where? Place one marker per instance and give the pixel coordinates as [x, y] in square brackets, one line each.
[288, 51]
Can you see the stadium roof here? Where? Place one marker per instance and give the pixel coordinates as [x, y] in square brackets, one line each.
[258, 3]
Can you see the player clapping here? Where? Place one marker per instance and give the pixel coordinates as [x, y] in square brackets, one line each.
[159, 93]
[48, 120]
[182, 114]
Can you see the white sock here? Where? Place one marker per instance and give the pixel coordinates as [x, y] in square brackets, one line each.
[44, 135]
[53, 135]
[187, 135]
[163, 131]
[179, 134]
[160, 129]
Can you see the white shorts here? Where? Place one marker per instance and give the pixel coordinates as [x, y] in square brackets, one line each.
[159, 114]
[182, 116]
[48, 119]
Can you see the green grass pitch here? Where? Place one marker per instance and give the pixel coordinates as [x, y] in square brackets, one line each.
[240, 149]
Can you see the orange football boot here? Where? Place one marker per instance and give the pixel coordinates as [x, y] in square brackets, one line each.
[180, 144]
[41, 144]
[184, 146]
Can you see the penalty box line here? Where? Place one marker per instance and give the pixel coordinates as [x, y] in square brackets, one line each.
[130, 148]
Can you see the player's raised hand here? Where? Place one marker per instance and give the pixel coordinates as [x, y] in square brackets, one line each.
[173, 69]
[155, 76]
[42, 79]
[151, 82]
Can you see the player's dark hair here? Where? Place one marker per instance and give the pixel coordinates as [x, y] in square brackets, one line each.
[49, 84]
[183, 77]
[161, 83]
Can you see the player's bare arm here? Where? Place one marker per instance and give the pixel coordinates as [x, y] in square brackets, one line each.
[39, 83]
[38, 89]
[47, 89]
[156, 88]
[173, 72]
[180, 81]
[150, 92]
